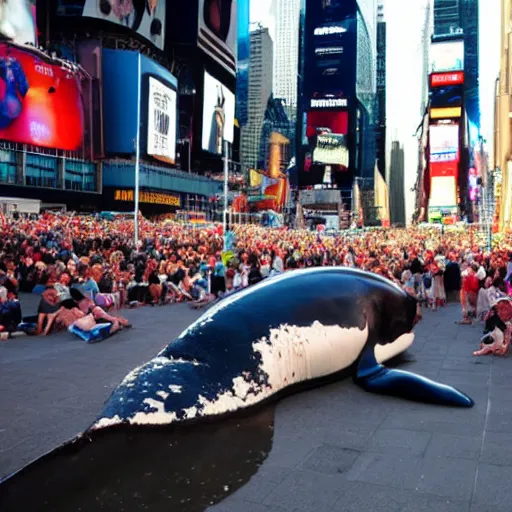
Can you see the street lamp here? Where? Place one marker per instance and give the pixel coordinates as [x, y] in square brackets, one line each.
[137, 156]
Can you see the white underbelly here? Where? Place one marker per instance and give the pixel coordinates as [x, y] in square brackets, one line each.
[384, 353]
[296, 354]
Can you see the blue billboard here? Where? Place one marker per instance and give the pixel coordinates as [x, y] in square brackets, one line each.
[157, 107]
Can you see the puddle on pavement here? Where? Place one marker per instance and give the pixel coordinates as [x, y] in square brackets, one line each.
[156, 469]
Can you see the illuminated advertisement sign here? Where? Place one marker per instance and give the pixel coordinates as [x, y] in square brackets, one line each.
[218, 115]
[443, 192]
[217, 31]
[329, 54]
[443, 79]
[445, 113]
[329, 103]
[148, 197]
[446, 97]
[145, 18]
[331, 149]
[41, 101]
[447, 56]
[18, 21]
[326, 122]
[161, 121]
[444, 142]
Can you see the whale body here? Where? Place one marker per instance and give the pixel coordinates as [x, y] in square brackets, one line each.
[289, 330]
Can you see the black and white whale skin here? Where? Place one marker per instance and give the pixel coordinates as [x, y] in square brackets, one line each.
[289, 330]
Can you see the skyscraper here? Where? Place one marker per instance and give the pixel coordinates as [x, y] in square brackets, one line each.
[396, 184]
[259, 92]
[286, 52]
[381, 89]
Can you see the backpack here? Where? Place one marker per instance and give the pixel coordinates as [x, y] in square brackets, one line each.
[427, 281]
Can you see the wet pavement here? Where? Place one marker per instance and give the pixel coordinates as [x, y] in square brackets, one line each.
[333, 449]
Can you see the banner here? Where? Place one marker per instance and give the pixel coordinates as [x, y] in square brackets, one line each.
[145, 18]
[217, 31]
[148, 197]
[18, 21]
[332, 149]
[41, 103]
[445, 113]
[161, 121]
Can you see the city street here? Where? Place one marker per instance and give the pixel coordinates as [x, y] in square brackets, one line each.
[335, 449]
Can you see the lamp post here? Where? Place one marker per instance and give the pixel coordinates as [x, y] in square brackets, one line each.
[137, 157]
[225, 212]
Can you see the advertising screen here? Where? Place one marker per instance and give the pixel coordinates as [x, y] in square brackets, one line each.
[147, 18]
[446, 113]
[40, 100]
[218, 115]
[331, 149]
[330, 46]
[444, 79]
[446, 97]
[444, 142]
[217, 31]
[447, 56]
[18, 21]
[161, 121]
[443, 192]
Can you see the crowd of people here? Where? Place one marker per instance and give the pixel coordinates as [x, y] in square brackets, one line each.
[86, 269]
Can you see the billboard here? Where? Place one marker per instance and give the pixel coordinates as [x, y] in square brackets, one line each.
[444, 142]
[446, 97]
[444, 79]
[18, 21]
[443, 192]
[447, 56]
[445, 113]
[120, 109]
[242, 77]
[217, 31]
[147, 18]
[218, 115]
[329, 56]
[161, 142]
[331, 149]
[41, 101]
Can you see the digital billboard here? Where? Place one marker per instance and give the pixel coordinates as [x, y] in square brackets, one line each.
[443, 192]
[444, 142]
[242, 77]
[217, 31]
[218, 115]
[445, 113]
[147, 18]
[329, 56]
[41, 100]
[161, 142]
[120, 85]
[447, 56]
[331, 149]
[18, 21]
[446, 97]
[444, 79]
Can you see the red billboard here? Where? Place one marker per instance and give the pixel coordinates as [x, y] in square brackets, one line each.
[40, 100]
[444, 79]
[327, 121]
[439, 169]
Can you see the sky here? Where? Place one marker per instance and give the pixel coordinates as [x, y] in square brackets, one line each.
[404, 72]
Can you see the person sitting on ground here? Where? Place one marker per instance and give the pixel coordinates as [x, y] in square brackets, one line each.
[86, 320]
[10, 314]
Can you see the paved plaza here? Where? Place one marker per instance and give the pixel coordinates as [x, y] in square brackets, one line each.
[335, 449]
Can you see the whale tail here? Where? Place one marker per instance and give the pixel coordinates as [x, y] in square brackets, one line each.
[375, 378]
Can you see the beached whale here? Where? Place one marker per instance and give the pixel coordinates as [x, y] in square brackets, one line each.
[298, 328]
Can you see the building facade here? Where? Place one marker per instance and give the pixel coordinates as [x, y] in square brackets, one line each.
[286, 53]
[338, 94]
[381, 90]
[396, 184]
[503, 122]
[259, 92]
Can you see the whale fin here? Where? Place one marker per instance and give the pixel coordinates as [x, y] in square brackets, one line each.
[376, 378]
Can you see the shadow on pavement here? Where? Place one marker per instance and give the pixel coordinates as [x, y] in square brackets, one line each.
[134, 468]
